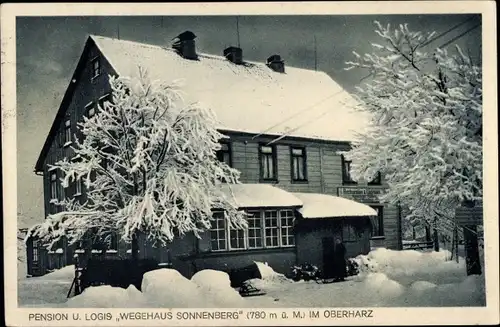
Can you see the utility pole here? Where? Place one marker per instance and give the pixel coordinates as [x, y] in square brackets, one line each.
[238, 30]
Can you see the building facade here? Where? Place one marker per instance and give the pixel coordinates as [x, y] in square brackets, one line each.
[277, 162]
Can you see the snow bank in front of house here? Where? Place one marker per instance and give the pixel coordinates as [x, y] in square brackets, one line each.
[65, 273]
[216, 286]
[165, 288]
[409, 266]
[108, 297]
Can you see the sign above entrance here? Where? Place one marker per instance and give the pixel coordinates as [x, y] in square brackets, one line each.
[361, 194]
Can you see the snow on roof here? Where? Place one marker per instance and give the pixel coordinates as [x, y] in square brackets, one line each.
[247, 98]
[259, 195]
[327, 206]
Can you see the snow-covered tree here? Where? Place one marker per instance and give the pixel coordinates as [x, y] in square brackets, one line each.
[148, 163]
[426, 133]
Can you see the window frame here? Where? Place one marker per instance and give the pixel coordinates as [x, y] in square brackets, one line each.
[67, 132]
[105, 98]
[346, 173]
[216, 231]
[229, 152]
[261, 235]
[274, 157]
[380, 219]
[95, 60]
[90, 106]
[302, 157]
[78, 187]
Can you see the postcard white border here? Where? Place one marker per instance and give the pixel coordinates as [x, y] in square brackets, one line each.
[388, 316]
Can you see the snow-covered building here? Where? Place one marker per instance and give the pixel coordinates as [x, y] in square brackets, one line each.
[285, 128]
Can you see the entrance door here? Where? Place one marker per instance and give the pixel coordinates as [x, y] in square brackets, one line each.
[328, 245]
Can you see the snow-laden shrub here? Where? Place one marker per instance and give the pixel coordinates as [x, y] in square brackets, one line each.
[166, 288]
[108, 297]
[216, 286]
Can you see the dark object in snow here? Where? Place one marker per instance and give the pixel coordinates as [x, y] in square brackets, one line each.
[306, 272]
[352, 267]
[247, 289]
[238, 276]
[116, 272]
[185, 45]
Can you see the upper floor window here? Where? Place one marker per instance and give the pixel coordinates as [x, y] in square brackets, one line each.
[67, 132]
[224, 153]
[377, 180]
[102, 100]
[53, 185]
[298, 164]
[78, 186]
[90, 110]
[377, 222]
[267, 155]
[346, 172]
[96, 67]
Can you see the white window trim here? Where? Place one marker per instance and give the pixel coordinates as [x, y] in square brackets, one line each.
[262, 234]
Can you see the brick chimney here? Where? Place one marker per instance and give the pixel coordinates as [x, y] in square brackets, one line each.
[234, 55]
[276, 63]
[185, 45]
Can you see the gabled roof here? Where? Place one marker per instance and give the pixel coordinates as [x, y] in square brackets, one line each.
[249, 98]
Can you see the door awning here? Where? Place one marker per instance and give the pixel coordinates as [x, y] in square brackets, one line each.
[328, 206]
[259, 196]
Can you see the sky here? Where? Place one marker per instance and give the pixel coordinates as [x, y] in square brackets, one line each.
[48, 48]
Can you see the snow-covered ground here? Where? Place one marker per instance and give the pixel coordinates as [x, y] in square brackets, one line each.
[387, 279]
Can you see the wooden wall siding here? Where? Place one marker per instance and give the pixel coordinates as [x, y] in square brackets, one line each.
[87, 90]
[324, 172]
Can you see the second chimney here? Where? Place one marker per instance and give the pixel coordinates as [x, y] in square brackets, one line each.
[185, 45]
[234, 55]
[276, 63]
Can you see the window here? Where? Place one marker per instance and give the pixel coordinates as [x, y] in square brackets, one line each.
[349, 233]
[96, 67]
[35, 251]
[218, 232]
[287, 219]
[271, 228]
[266, 229]
[298, 164]
[102, 100]
[377, 180]
[90, 110]
[267, 162]
[224, 154]
[67, 132]
[377, 222]
[236, 238]
[346, 172]
[254, 230]
[53, 185]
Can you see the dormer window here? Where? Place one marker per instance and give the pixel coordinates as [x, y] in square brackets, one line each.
[96, 67]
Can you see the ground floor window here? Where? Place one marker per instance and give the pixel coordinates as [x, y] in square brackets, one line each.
[266, 229]
[35, 251]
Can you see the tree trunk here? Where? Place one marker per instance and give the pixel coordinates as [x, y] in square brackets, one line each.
[427, 233]
[436, 239]
[472, 261]
[135, 247]
[455, 245]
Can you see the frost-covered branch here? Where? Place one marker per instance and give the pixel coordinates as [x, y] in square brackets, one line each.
[149, 165]
[426, 135]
